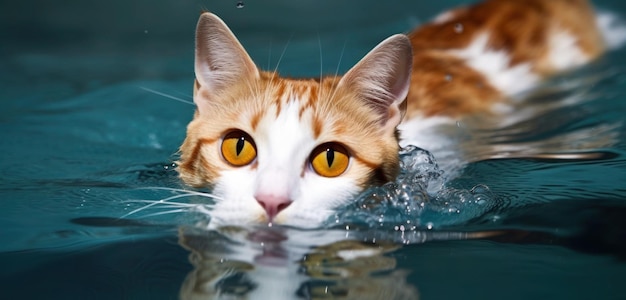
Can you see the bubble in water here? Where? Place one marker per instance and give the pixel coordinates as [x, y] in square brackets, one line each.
[418, 197]
[239, 4]
[406, 196]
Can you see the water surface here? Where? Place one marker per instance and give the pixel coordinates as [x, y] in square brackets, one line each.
[83, 135]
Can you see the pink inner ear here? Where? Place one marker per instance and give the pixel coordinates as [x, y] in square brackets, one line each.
[220, 60]
[382, 77]
[402, 79]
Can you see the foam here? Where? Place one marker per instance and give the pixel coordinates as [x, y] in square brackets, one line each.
[418, 199]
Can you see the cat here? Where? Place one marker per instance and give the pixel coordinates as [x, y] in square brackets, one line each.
[278, 150]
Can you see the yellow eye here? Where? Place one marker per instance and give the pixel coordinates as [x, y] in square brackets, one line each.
[330, 159]
[238, 148]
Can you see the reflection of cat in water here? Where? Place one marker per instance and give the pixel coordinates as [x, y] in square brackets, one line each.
[291, 151]
[234, 264]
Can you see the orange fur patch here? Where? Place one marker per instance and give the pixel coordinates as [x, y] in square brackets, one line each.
[335, 115]
[443, 85]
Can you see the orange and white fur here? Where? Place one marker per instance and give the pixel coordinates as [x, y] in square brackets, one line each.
[291, 151]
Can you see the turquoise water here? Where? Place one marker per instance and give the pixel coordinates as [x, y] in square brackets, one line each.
[83, 137]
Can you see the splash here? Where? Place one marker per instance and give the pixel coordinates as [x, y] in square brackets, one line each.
[418, 199]
[421, 198]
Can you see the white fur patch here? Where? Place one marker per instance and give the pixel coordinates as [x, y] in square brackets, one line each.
[421, 131]
[439, 135]
[284, 143]
[280, 143]
[495, 65]
[564, 52]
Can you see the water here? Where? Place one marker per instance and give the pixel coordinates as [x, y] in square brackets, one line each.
[85, 135]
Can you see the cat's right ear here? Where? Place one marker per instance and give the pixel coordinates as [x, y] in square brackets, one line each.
[382, 79]
[220, 59]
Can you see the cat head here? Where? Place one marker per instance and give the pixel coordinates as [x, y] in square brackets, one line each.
[290, 151]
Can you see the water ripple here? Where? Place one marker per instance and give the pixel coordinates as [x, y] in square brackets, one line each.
[418, 199]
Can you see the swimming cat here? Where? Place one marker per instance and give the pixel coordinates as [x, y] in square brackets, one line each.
[291, 151]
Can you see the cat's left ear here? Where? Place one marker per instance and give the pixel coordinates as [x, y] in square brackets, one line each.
[382, 78]
[221, 60]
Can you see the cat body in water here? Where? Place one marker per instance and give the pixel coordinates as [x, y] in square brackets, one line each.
[291, 151]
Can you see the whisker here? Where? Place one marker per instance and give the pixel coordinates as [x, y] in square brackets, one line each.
[282, 54]
[188, 192]
[167, 202]
[155, 203]
[174, 211]
[184, 94]
[166, 95]
[164, 204]
[334, 92]
[203, 209]
[343, 49]
[163, 188]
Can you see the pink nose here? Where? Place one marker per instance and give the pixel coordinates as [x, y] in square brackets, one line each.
[272, 204]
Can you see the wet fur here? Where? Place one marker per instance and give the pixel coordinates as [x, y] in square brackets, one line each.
[521, 33]
[464, 62]
[330, 111]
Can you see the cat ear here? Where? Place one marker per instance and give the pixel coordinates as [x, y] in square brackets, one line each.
[382, 78]
[220, 59]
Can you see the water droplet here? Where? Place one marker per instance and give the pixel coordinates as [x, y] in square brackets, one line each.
[239, 4]
[417, 199]
[458, 27]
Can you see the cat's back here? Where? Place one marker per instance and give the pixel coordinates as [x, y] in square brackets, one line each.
[468, 58]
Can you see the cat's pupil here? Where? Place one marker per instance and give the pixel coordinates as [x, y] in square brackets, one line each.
[330, 156]
[240, 143]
